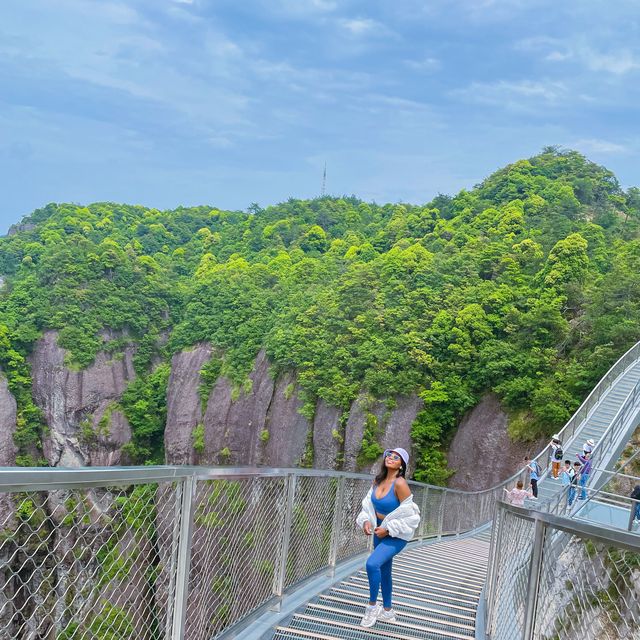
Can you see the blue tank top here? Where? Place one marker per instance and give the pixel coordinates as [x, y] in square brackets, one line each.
[387, 503]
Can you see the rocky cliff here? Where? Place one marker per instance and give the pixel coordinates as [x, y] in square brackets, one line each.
[482, 454]
[85, 428]
[258, 424]
[261, 423]
[8, 449]
[7, 424]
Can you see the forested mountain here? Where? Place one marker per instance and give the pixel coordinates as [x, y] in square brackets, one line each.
[527, 285]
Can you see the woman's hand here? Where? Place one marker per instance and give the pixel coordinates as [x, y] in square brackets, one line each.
[366, 527]
[381, 532]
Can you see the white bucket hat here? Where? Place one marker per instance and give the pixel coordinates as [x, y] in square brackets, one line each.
[401, 452]
[590, 442]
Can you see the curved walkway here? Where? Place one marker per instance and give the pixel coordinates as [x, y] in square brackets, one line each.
[436, 594]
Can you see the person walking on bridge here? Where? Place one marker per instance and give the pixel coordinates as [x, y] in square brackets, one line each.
[585, 470]
[556, 455]
[389, 513]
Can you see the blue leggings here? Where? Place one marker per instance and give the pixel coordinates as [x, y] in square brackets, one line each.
[379, 567]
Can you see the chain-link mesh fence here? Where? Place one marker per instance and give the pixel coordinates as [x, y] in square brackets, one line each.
[587, 590]
[568, 582]
[194, 554]
[510, 573]
[87, 563]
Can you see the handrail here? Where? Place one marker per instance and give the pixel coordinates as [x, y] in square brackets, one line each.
[535, 554]
[14, 478]
[596, 532]
[611, 431]
[621, 365]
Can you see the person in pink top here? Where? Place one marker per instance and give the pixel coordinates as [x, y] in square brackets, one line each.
[517, 495]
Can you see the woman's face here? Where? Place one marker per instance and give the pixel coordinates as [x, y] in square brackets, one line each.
[392, 460]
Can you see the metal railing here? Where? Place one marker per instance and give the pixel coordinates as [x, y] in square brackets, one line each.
[604, 384]
[626, 417]
[181, 552]
[554, 578]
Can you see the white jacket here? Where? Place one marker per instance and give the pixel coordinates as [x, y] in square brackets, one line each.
[400, 523]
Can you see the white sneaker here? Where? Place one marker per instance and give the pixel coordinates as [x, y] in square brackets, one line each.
[387, 616]
[370, 616]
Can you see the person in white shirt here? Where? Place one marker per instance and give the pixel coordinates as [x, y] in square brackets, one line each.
[517, 495]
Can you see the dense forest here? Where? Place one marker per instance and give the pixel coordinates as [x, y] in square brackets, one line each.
[527, 285]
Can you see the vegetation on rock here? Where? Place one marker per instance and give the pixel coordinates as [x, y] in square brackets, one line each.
[527, 285]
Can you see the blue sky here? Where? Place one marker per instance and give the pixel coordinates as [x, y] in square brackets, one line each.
[228, 102]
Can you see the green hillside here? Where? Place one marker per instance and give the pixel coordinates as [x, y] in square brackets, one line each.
[527, 285]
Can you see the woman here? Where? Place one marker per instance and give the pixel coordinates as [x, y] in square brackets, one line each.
[389, 513]
[517, 495]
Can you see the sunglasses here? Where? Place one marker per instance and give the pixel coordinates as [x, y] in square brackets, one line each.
[393, 456]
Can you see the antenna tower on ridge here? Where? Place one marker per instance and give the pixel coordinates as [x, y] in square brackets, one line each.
[324, 180]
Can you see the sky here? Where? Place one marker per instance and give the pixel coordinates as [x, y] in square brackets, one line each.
[229, 102]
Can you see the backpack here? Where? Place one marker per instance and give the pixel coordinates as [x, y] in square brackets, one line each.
[558, 453]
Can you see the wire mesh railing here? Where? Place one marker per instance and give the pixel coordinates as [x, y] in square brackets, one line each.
[554, 578]
[178, 552]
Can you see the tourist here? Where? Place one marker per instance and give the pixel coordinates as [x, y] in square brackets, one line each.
[635, 506]
[587, 447]
[585, 470]
[517, 495]
[566, 475]
[573, 486]
[534, 475]
[389, 513]
[556, 455]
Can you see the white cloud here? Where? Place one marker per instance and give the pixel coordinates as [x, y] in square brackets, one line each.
[518, 95]
[617, 61]
[425, 64]
[593, 145]
[359, 26]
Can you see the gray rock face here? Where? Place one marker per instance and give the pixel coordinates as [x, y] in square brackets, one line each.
[288, 429]
[398, 427]
[326, 447]
[184, 412]
[68, 398]
[360, 408]
[261, 426]
[481, 453]
[394, 425]
[8, 450]
[236, 426]
[106, 451]
[8, 412]
[261, 423]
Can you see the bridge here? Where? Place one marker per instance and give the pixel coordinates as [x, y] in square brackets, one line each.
[202, 553]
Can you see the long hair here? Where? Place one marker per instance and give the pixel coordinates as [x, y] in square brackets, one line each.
[382, 474]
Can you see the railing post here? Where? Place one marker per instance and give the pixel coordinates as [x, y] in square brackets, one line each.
[531, 600]
[492, 581]
[184, 558]
[281, 569]
[441, 514]
[632, 513]
[423, 512]
[336, 527]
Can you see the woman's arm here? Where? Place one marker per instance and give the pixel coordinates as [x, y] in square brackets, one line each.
[401, 489]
